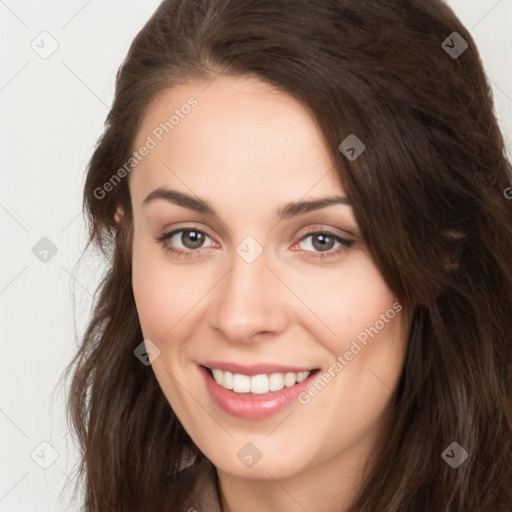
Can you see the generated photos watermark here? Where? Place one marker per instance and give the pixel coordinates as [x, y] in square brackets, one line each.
[150, 143]
[343, 360]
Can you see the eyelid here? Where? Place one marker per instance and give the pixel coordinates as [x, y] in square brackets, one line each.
[342, 235]
[191, 226]
[327, 232]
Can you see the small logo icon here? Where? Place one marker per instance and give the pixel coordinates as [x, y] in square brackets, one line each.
[249, 455]
[45, 45]
[249, 249]
[147, 352]
[454, 455]
[454, 45]
[352, 147]
[44, 455]
[44, 250]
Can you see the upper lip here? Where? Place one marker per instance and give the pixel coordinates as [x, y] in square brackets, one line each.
[255, 369]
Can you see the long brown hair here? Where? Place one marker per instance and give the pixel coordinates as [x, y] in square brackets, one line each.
[428, 195]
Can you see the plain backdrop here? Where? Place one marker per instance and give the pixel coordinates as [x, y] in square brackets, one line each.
[52, 110]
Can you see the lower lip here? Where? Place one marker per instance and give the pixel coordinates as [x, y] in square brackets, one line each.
[252, 406]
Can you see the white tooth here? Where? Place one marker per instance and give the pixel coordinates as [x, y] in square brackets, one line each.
[289, 379]
[302, 376]
[228, 380]
[259, 384]
[217, 375]
[276, 382]
[241, 383]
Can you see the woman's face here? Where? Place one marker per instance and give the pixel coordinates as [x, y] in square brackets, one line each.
[232, 277]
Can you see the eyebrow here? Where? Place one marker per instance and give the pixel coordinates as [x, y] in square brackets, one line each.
[284, 212]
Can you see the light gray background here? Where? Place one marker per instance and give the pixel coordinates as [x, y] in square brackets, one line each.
[52, 112]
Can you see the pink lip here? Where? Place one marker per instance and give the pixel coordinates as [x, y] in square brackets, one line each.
[255, 369]
[249, 406]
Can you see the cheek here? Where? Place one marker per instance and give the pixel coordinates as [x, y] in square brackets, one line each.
[348, 303]
[167, 295]
[157, 289]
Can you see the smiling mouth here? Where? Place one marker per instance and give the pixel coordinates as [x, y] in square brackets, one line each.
[259, 384]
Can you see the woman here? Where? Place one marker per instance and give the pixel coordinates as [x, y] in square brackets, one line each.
[309, 298]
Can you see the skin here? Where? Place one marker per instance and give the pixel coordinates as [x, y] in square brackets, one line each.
[248, 149]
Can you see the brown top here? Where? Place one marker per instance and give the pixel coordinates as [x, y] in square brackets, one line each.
[204, 496]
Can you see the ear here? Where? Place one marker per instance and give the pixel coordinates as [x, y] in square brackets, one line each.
[119, 215]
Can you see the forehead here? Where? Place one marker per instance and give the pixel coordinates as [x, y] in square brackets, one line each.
[232, 136]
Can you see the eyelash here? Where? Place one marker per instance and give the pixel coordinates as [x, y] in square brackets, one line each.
[180, 253]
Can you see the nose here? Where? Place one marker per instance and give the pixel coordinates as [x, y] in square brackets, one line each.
[249, 303]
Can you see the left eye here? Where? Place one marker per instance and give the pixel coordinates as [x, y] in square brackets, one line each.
[323, 242]
[322, 245]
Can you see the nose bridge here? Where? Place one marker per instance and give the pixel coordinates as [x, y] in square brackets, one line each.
[248, 300]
